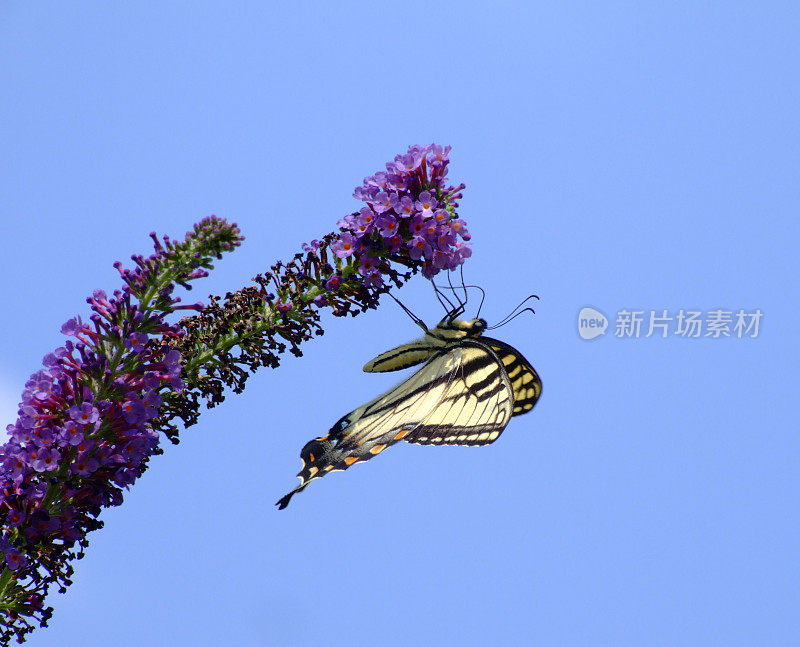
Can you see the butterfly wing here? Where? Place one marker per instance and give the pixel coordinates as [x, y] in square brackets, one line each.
[525, 381]
[368, 430]
[401, 357]
[477, 403]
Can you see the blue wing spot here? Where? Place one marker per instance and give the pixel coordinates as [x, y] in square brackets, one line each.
[340, 426]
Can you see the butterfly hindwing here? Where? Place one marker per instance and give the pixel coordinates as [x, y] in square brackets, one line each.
[401, 357]
[524, 379]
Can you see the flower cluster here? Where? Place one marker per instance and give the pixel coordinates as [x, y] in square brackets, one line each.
[85, 426]
[90, 420]
[410, 213]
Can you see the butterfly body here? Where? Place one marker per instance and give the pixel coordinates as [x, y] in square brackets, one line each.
[466, 391]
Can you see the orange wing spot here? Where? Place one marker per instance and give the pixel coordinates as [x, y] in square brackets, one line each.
[311, 456]
[402, 434]
[377, 449]
[328, 468]
[313, 471]
[350, 460]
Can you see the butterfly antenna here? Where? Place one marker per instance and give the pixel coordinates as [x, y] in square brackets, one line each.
[510, 319]
[414, 317]
[513, 314]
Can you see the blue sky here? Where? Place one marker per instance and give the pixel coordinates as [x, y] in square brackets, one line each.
[616, 155]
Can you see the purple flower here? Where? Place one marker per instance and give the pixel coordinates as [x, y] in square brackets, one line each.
[333, 283]
[404, 207]
[15, 559]
[312, 247]
[417, 225]
[460, 227]
[135, 450]
[84, 465]
[133, 410]
[320, 300]
[438, 156]
[124, 477]
[150, 380]
[373, 280]
[431, 231]
[284, 307]
[384, 201]
[362, 229]
[72, 432]
[447, 238]
[45, 460]
[366, 216]
[136, 342]
[378, 180]
[345, 246]
[426, 204]
[441, 216]
[440, 260]
[408, 162]
[464, 251]
[394, 243]
[151, 401]
[418, 247]
[72, 327]
[398, 182]
[363, 193]
[347, 222]
[86, 414]
[15, 517]
[369, 264]
[387, 225]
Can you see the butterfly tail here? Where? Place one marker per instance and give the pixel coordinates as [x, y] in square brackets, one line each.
[316, 456]
[284, 501]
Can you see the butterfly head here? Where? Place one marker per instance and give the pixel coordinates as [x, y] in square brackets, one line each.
[457, 328]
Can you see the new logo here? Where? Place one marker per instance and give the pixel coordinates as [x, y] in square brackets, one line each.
[591, 323]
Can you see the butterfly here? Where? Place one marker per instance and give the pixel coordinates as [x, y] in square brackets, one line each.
[466, 392]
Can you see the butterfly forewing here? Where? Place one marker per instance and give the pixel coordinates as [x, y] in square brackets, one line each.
[476, 406]
[368, 430]
[395, 413]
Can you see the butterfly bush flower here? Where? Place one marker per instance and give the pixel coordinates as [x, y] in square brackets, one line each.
[92, 418]
[86, 425]
[406, 205]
